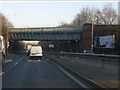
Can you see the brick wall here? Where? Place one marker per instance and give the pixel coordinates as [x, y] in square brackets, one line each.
[100, 30]
[86, 40]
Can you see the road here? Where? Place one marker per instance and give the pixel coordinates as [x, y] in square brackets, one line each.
[23, 73]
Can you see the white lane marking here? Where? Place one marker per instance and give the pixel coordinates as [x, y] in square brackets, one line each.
[29, 60]
[21, 58]
[1, 73]
[8, 60]
[19, 61]
[76, 80]
[81, 84]
[77, 58]
[34, 60]
[72, 77]
[39, 60]
[16, 63]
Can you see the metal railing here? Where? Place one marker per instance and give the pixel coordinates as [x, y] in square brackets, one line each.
[45, 29]
[103, 57]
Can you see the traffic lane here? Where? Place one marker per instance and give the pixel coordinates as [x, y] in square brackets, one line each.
[13, 76]
[14, 60]
[32, 74]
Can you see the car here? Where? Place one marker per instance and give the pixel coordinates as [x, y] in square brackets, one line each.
[88, 52]
[35, 52]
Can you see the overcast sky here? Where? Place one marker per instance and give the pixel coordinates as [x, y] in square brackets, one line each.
[46, 14]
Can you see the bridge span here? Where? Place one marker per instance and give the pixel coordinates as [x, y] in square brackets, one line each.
[46, 33]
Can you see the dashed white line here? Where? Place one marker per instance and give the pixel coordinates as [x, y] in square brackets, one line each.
[48, 59]
[16, 63]
[77, 58]
[19, 61]
[34, 60]
[8, 60]
[21, 58]
[1, 73]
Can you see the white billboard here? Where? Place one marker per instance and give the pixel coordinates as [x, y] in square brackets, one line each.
[104, 41]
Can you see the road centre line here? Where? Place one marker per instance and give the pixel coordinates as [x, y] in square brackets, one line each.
[16, 63]
[19, 60]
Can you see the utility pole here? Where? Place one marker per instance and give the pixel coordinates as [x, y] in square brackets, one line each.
[92, 36]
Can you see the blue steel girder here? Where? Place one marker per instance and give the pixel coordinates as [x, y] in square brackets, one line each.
[45, 36]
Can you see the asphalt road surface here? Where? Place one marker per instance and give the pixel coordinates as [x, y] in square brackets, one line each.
[23, 73]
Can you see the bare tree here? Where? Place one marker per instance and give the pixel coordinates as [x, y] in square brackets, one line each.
[63, 24]
[85, 16]
[106, 16]
[109, 15]
[97, 17]
[77, 20]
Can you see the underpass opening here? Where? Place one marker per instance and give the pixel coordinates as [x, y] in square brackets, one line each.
[57, 46]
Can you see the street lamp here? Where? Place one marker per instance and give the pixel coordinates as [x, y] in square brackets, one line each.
[69, 47]
[92, 36]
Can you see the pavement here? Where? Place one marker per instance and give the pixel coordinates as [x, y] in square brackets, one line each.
[107, 76]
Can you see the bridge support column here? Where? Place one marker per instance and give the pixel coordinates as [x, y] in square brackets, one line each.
[10, 48]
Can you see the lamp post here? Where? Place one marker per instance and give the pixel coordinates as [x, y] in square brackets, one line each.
[92, 36]
[69, 46]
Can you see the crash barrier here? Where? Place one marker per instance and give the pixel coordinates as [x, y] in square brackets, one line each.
[108, 58]
[109, 62]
